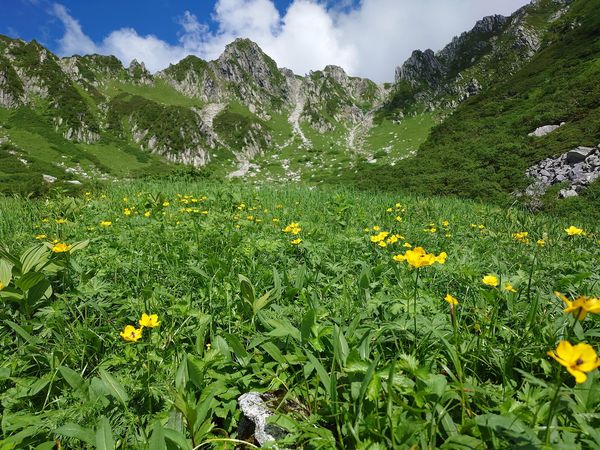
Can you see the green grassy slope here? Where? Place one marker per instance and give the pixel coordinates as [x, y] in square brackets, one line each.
[358, 351]
[482, 149]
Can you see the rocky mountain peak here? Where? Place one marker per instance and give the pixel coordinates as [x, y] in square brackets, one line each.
[490, 24]
[421, 67]
[138, 72]
[243, 58]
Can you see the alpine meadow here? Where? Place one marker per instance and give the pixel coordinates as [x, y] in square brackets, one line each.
[228, 255]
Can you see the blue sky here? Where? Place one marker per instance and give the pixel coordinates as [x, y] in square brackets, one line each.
[366, 37]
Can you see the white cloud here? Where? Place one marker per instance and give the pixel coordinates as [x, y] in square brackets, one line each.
[368, 40]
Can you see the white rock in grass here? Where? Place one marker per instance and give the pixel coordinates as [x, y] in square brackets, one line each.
[254, 410]
[543, 131]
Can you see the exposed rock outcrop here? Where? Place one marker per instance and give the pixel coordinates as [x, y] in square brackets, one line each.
[138, 73]
[494, 47]
[254, 419]
[544, 130]
[577, 168]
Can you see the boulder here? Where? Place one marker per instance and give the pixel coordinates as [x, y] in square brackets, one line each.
[579, 154]
[543, 131]
[254, 419]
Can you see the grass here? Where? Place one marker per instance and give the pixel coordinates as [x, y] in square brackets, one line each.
[160, 91]
[396, 140]
[355, 349]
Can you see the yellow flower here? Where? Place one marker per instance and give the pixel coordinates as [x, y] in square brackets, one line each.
[445, 224]
[106, 223]
[293, 228]
[490, 280]
[581, 306]
[275, 220]
[398, 219]
[131, 333]
[574, 231]
[389, 210]
[418, 257]
[165, 204]
[296, 241]
[149, 321]
[41, 236]
[127, 211]
[509, 287]
[406, 245]
[578, 359]
[61, 248]
[60, 221]
[450, 299]
[376, 228]
[392, 239]
[147, 214]
[379, 237]
[521, 236]
[382, 244]
[541, 242]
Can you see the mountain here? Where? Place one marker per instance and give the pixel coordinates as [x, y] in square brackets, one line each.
[494, 49]
[236, 115]
[455, 121]
[488, 145]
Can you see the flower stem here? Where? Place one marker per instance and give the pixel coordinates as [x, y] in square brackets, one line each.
[415, 296]
[551, 411]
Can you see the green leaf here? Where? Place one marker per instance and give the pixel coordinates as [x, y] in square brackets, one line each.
[5, 272]
[248, 294]
[78, 432]
[462, 442]
[157, 439]
[113, 387]
[340, 346]
[283, 328]
[365, 385]
[237, 348]
[104, 435]
[321, 372]
[196, 371]
[177, 438]
[79, 245]
[29, 280]
[41, 290]
[307, 326]
[274, 352]
[21, 332]
[75, 380]
[181, 376]
[261, 302]
[34, 257]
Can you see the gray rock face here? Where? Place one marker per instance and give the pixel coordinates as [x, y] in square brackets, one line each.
[473, 60]
[544, 130]
[579, 154]
[254, 420]
[421, 66]
[138, 72]
[578, 167]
